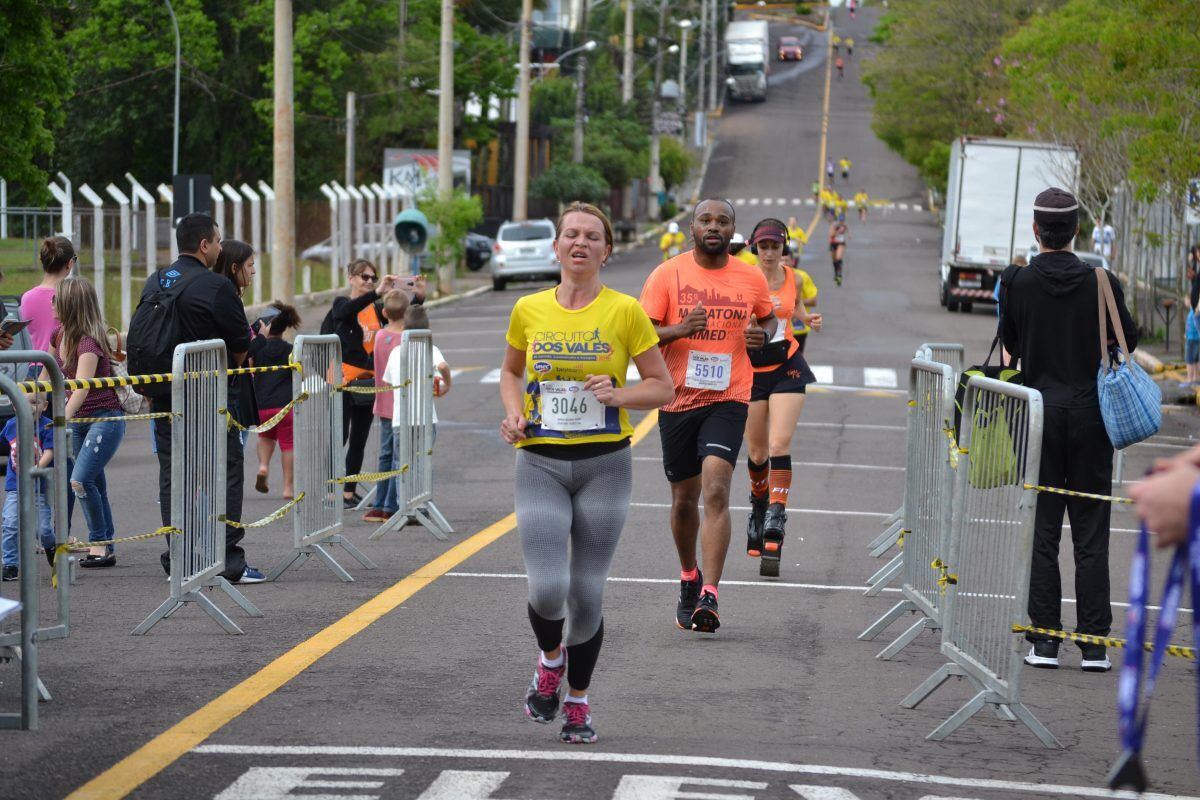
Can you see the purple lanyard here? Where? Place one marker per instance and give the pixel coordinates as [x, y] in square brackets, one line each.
[1129, 770]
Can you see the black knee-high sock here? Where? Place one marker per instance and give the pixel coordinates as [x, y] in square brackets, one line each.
[581, 660]
[547, 631]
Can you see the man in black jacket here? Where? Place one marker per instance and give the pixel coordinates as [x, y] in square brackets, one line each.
[1050, 321]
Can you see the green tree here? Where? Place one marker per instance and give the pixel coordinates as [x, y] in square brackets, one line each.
[675, 161]
[452, 217]
[565, 181]
[33, 82]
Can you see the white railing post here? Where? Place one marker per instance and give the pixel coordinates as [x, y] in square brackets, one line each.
[3, 209]
[235, 200]
[147, 200]
[256, 231]
[97, 238]
[345, 221]
[373, 226]
[269, 232]
[218, 210]
[168, 196]
[126, 251]
[67, 198]
[335, 234]
[359, 229]
[380, 227]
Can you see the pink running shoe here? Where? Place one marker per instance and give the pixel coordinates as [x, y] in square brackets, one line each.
[541, 699]
[577, 729]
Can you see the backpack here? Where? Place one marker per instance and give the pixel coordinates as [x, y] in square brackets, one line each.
[154, 332]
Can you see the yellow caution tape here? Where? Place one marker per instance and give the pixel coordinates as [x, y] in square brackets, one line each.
[900, 539]
[67, 546]
[947, 578]
[1108, 641]
[270, 423]
[267, 520]
[142, 380]
[369, 477]
[345, 387]
[954, 450]
[1087, 496]
[127, 418]
[912, 403]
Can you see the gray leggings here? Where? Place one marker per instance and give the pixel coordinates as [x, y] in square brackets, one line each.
[570, 515]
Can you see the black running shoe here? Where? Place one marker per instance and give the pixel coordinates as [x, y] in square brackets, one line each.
[705, 618]
[773, 526]
[577, 726]
[689, 594]
[754, 527]
[1043, 655]
[541, 699]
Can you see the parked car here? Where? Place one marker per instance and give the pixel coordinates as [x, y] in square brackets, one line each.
[790, 49]
[1091, 259]
[524, 251]
[478, 249]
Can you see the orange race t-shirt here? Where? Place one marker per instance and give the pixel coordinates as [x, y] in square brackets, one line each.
[784, 300]
[711, 366]
[368, 318]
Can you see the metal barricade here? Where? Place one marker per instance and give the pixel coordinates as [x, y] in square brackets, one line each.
[944, 353]
[56, 486]
[317, 424]
[27, 647]
[414, 438]
[929, 484]
[987, 561]
[199, 389]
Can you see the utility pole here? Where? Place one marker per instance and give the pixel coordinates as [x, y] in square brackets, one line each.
[446, 130]
[655, 110]
[580, 84]
[702, 41]
[627, 75]
[175, 148]
[520, 209]
[685, 26]
[714, 71]
[351, 122]
[283, 222]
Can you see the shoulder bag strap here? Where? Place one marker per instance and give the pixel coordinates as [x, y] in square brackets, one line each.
[1105, 297]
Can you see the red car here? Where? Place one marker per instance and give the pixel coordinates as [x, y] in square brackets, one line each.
[790, 49]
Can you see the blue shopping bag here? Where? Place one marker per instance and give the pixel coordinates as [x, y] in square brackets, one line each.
[1130, 400]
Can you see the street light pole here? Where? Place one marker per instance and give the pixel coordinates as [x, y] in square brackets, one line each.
[351, 123]
[446, 129]
[702, 42]
[580, 87]
[713, 73]
[520, 209]
[178, 59]
[685, 26]
[655, 109]
[627, 77]
[283, 222]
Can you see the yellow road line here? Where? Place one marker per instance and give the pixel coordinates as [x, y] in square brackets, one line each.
[169, 746]
[824, 127]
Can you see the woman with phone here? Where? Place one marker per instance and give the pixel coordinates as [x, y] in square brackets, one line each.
[81, 348]
[356, 318]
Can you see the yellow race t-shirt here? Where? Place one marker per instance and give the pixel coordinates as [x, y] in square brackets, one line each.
[808, 291]
[563, 346]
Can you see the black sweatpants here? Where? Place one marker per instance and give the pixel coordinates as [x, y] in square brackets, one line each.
[235, 556]
[357, 423]
[1077, 455]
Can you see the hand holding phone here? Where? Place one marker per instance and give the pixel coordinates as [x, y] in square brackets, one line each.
[11, 326]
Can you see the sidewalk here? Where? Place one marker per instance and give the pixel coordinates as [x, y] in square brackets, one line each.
[1166, 367]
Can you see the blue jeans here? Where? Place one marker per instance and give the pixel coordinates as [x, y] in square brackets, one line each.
[93, 445]
[387, 496]
[8, 540]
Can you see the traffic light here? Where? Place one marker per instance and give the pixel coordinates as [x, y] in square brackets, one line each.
[412, 230]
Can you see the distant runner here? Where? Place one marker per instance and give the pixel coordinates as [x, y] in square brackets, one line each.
[861, 201]
[797, 238]
[707, 309]
[671, 242]
[844, 165]
[838, 234]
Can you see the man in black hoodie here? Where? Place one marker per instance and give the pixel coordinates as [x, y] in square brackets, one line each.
[1049, 319]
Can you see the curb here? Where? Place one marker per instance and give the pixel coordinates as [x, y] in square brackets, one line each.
[1147, 362]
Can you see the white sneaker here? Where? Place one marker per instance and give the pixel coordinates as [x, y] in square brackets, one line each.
[1096, 664]
[1047, 658]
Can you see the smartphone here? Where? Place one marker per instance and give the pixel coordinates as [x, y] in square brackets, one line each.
[408, 282]
[267, 316]
[12, 326]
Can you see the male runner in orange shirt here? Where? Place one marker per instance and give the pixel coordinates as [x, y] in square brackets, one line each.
[707, 309]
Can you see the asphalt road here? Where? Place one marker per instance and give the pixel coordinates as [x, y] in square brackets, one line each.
[418, 693]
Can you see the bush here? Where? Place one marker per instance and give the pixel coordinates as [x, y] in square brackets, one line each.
[803, 9]
[566, 181]
[452, 217]
[675, 161]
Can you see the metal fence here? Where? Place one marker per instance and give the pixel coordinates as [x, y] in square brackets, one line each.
[929, 486]
[199, 389]
[55, 477]
[987, 562]
[414, 438]
[317, 424]
[944, 353]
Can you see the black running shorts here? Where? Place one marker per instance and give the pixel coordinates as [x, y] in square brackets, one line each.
[793, 376]
[688, 437]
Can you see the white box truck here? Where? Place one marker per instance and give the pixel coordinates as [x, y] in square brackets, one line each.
[989, 210]
[747, 59]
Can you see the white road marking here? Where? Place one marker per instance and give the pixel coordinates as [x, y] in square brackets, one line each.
[816, 464]
[595, 757]
[917, 208]
[808, 201]
[823, 793]
[493, 376]
[876, 377]
[852, 426]
[781, 201]
[753, 201]
[766, 201]
[463, 785]
[904, 206]
[276, 783]
[740, 201]
[670, 787]
[824, 374]
[833, 387]
[796, 201]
